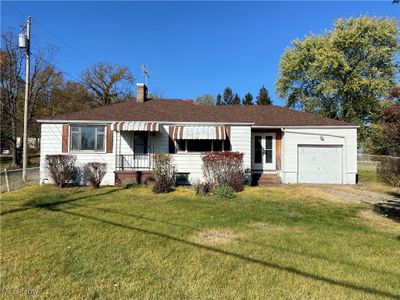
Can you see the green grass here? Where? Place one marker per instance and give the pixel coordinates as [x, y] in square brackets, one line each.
[283, 242]
[367, 172]
[369, 180]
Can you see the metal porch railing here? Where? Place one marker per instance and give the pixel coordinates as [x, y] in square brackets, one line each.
[133, 161]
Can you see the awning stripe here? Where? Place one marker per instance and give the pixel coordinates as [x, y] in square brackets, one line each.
[199, 133]
[135, 126]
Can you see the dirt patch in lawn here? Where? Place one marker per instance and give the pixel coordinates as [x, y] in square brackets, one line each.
[378, 222]
[215, 236]
[353, 194]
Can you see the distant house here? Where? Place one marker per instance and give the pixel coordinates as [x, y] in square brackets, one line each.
[279, 144]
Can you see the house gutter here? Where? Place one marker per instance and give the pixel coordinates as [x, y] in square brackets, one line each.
[160, 122]
[307, 127]
[313, 133]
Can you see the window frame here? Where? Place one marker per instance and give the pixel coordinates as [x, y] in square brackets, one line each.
[104, 133]
[178, 151]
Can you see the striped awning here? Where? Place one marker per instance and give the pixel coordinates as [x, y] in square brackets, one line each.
[135, 126]
[199, 133]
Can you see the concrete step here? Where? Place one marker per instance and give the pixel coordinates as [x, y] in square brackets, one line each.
[269, 179]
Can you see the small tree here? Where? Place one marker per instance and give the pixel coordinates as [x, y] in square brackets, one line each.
[385, 136]
[391, 119]
[263, 97]
[236, 100]
[164, 173]
[205, 99]
[248, 99]
[62, 169]
[228, 96]
[94, 172]
[219, 100]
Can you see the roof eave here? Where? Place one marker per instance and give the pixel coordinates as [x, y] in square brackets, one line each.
[305, 126]
[161, 122]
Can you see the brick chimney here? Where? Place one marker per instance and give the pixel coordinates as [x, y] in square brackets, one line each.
[141, 92]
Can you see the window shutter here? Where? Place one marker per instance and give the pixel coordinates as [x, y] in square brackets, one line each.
[171, 145]
[65, 137]
[109, 140]
[227, 142]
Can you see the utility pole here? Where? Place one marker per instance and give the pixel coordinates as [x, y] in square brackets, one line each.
[27, 78]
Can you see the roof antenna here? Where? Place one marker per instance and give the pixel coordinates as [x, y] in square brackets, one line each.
[145, 72]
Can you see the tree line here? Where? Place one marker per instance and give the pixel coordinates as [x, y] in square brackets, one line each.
[230, 98]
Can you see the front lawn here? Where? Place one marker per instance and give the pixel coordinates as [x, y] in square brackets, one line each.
[290, 242]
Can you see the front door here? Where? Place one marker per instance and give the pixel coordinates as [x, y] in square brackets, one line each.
[263, 146]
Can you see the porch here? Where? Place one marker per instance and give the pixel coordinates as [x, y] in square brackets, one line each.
[134, 151]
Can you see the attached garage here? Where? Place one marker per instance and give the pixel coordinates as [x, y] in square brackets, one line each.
[320, 164]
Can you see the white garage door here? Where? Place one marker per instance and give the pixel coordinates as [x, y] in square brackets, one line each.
[320, 164]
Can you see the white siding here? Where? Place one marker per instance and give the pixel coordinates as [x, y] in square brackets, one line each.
[346, 137]
[241, 142]
[191, 162]
[51, 136]
[160, 140]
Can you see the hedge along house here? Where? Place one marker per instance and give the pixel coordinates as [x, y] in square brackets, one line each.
[279, 144]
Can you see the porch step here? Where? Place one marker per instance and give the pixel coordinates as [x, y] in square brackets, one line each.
[269, 179]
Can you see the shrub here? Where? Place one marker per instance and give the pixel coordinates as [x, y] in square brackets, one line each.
[224, 191]
[224, 168]
[164, 173]
[203, 188]
[389, 170]
[93, 173]
[62, 169]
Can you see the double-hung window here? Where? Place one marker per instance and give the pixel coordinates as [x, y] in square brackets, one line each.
[87, 138]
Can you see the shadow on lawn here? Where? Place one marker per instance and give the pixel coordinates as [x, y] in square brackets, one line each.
[50, 202]
[232, 254]
[262, 245]
[390, 209]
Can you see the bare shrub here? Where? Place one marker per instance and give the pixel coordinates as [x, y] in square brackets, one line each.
[203, 188]
[62, 169]
[389, 170]
[93, 173]
[164, 173]
[224, 168]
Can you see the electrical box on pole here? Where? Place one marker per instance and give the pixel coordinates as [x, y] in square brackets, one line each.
[22, 41]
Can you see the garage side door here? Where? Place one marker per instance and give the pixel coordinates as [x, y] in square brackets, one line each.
[320, 164]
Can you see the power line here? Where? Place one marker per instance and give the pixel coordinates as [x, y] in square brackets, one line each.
[46, 61]
[57, 68]
[52, 33]
[49, 63]
[50, 91]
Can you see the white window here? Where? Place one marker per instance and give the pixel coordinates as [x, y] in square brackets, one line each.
[87, 138]
[199, 145]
